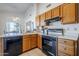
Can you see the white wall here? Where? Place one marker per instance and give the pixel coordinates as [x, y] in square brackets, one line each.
[30, 15]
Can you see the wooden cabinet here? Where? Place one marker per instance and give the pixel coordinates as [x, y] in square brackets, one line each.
[26, 43]
[56, 12]
[33, 41]
[66, 42]
[42, 18]
[49, 14]
[66, 47]
[29, 42]
[69, 50]
[68, 13]
[39, 41]
[61, 54]
[37, 20]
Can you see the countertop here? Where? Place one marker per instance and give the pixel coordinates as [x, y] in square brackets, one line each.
[17, 35]
[66, 37]
[61, 37]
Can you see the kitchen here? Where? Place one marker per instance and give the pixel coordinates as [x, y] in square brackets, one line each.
[48, 29]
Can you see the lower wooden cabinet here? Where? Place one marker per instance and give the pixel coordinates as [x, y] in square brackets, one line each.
[66, 47]
[33, 42]
[61, 54]
[29, 42]
[69, 50]
[39, 41]
[26, 44]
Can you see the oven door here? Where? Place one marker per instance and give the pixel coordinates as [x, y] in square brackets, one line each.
[49, 46]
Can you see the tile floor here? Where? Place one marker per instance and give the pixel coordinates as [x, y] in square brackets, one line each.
[33, 52]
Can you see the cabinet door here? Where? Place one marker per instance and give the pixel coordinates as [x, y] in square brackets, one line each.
[42, 18]
[68, 13]
[26, 44]
[48, 14]
[39, 42]
[55, 12]
[37, 20]
[33, 42]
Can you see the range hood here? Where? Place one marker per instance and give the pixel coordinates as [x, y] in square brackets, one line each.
[52, 20]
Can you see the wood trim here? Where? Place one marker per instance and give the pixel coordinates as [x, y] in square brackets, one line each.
[75, 48]
[77, 12]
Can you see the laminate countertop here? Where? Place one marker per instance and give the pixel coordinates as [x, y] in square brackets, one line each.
[60, 37]
[68, 37]
[65, 37]
[1, 36]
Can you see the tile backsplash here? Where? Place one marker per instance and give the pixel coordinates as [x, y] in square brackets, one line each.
[71, 29]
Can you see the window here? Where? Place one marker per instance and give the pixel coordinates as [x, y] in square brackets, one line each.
[29, 26]
[12, 27]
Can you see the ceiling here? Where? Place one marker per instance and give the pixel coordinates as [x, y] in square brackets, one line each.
[14, 7]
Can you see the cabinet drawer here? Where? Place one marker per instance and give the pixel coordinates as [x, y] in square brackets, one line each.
[66, 42]
[33, 36]
[62, 54]
[26, 36]
[26, 39]
[66, 49]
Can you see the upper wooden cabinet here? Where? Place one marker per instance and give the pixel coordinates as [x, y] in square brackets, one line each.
[42, 18]
[37, 20]
[68, 13]
[48, 14]
[56, 12]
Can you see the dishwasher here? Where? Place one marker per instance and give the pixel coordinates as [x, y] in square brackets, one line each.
[12, 46]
